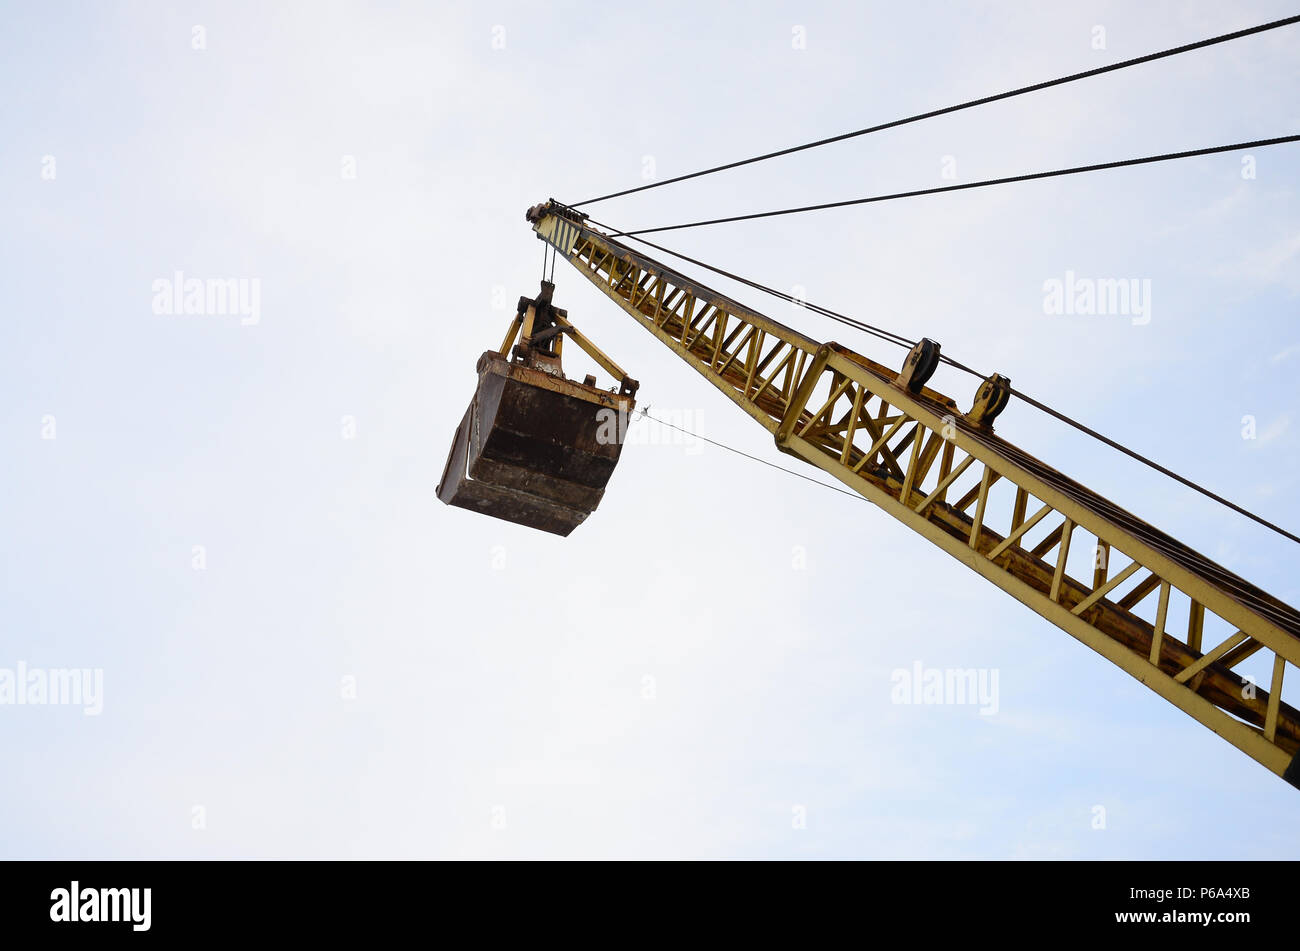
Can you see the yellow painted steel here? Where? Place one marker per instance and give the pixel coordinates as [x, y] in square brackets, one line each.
[854, 419]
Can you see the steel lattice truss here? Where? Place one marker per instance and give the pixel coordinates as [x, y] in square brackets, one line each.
[1170, 617]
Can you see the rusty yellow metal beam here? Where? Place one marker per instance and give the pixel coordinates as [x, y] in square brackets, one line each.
[790, 384]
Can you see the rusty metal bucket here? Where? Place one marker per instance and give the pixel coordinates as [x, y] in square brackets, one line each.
[533, 447]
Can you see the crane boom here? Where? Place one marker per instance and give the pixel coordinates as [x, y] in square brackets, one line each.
[944, 474]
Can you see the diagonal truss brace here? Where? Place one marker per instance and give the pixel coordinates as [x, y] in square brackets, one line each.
[910, 450]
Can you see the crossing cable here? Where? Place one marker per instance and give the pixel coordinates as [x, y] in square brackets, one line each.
[1055, 173]
[1150, 57]
[741, 452]
[901, 341]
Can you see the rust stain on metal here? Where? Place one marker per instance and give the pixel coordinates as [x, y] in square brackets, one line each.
[533, 447]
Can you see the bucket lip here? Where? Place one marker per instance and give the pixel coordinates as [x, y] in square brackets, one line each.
[493, 362]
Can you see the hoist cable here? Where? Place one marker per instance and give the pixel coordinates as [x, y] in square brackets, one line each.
[887, 335]
[1032, 176]
[1150, 57]
[1154, 465]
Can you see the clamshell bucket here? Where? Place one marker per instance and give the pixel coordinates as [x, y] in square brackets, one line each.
[534, 447]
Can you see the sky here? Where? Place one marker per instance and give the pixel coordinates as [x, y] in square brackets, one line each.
[231, 516]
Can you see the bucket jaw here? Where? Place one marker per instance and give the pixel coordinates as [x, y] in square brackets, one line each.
[534, 447]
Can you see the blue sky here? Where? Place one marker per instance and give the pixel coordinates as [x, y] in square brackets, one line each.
[495, 719]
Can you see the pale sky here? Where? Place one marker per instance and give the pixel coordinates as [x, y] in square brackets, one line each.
[235, 520]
